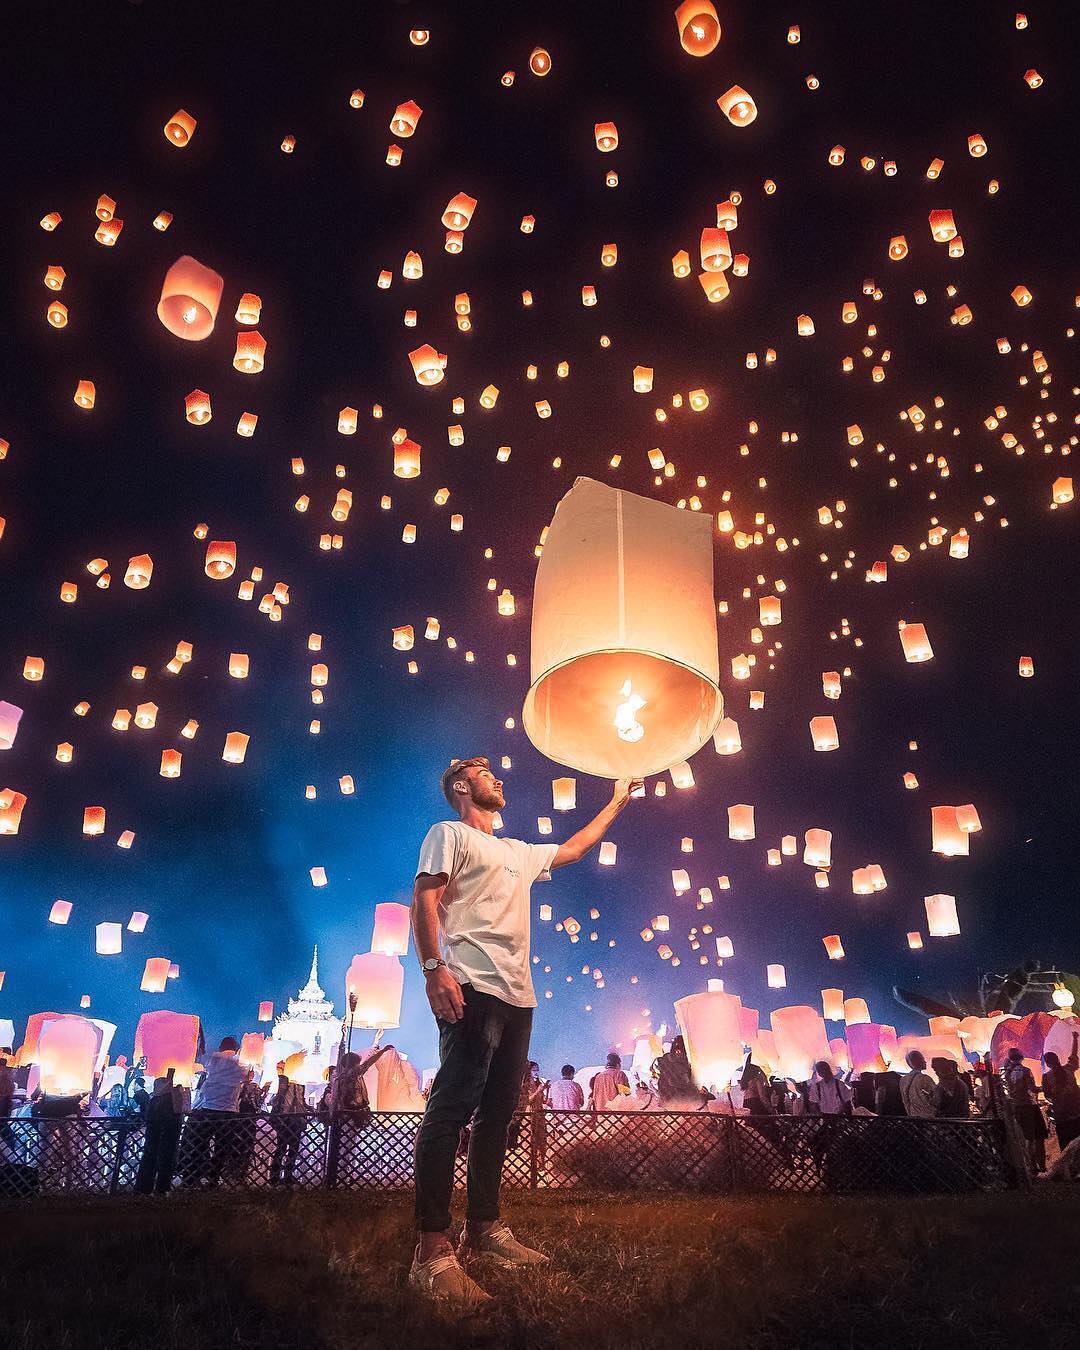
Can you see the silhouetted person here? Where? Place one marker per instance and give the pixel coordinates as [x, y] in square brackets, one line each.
[1059, 1087]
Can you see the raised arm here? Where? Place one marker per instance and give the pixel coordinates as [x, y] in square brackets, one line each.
[443, 991]
[575, 848]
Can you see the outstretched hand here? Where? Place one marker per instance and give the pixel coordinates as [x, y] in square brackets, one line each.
[624, 789]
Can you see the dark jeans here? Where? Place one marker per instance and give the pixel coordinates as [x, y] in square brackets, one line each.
[206, 1131]
[158, 1161]
[482, 1060]
[289, 1132]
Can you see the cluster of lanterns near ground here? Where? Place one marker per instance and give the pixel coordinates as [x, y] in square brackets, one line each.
[645, 650]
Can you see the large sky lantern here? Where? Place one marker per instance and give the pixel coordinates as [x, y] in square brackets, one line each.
[864, 1040]
[155, 974]
[711, 1031]
[67, 1054]
[377, 981]
[625, 671]
[941, 920]
[801, 1040]
[169, 1040]
[10, 716]
[190, 296]
[698, 25]
[390, 936]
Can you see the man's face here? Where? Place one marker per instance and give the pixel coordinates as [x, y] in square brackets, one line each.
[485, 789]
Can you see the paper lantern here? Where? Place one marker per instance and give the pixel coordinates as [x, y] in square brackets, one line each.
[377, 981]
[606, 135]
[93, 820]
[942, 226]
[10, 716]
[947, 837]
[190, 296]
[967, 818]
[564, 794]
[197, 407]
[823, 733]
[1029, 1034]
[138, 921]
[180, 128]
[856, 1011]
[915, 643]
[737, 106]
[941, 920]
[1062, 490]
[726, 737]
[109, 939]
[715, 285]
[428, 365]
[832, 1004]
[11, 809]
[914, 941]
[623, 614]
[459, 211]
[709, 1023]
[220, 560]
[406, 459]
[834, 947]
[391, 933]
[680, 881]
[715, 250]
[67, 1053]
[818, 848]
[155, 973]
[741, 822]
[266, 1010]
[252, 1047]
[698, 25]
[60, 911]
[801, 1040]
[682, 776]
[539, 61]
[725, 948]
[864, 1041]
[545, 913]
[608, 853]
[777, 977]
[250, 355]
[318, 876]
[248, 309]
[169, 1040]
[85, 394]
[171, 763]
[405, 118]
[236, 743]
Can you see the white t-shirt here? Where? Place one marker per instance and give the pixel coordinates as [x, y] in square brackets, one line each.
[485, 908]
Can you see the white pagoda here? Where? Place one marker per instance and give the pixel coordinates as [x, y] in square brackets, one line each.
[311, 1025]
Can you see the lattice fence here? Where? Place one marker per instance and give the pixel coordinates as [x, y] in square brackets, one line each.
[546, 1150]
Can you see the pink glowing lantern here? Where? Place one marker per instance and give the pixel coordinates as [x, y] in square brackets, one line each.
[169, 1040]
[377, 981]
[801, 1040]
[864, 1042]
[9, 724]
[266, 1011]
[251, 1050]
[190, 296]
[60, 912]
[391, 933]
[67, 1054]
[155, 974]
[138, 921]
[710, 1027]
[1028, 1034]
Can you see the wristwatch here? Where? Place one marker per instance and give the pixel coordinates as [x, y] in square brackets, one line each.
[432, 963]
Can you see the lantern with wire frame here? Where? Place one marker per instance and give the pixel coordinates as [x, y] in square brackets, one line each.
[625, 670]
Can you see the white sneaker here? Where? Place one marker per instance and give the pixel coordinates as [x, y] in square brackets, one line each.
[442, 1279]
[502, 1247]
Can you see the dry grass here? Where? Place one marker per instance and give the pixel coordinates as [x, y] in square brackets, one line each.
[326, 1272]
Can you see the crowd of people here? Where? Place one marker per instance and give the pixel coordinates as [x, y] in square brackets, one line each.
[216, 1145]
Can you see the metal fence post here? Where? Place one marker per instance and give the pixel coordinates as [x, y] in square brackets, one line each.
[534, 1171]
[118, 1162]
[333, 1149]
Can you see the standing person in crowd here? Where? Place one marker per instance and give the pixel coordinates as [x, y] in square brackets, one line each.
[828, 1095]
[888, 1094]
[162, 1139]
[917, 1087]
[214, 1119]
[565, 1094]
[674, 1080]
[350, 1106]
[1019, 1084]
[952, 1096]
[1060, 1089]
[323, 1107]
[287, 1117]
[608, 1084]
[473, 891]
[531, 1102]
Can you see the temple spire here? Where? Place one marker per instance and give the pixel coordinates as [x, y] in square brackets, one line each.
[313, 978]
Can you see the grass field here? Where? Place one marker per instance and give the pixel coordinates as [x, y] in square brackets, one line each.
[327, 1272]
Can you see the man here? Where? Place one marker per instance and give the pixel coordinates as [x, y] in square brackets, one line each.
[472, 889]
[1061, 1091]
[565, 1094]
[828, 1096]
[608, 1084]
[1020, 1089]
[215, 1118]
[917, 1087]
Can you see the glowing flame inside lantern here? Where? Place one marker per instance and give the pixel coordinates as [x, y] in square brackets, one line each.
[626, 723]
[190, 314]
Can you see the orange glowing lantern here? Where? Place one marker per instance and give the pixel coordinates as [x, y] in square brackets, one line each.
[715, 249]
[942, 226]
[832, 1005]
[712, 1032]
[250, 355]
[948, 837]
[856, 1011]
[915, 643]
[190, 296]
[266, 1010]
[67, 1055]
[406, 459]
[197, 408]
[834, 947]
[606, 135]
[60, 911]
[93, 820]
[741, 822]
[428, 365]
[236, 744]
[824, 734]
[459, 211]
[818, 848]
[220, 560]
[155, 974]
[171, 763]
[180, 128]
[85, 394]
[168, 1040]
[737, 106]
[405, 119]
[801, 1040]
[698, 25]
[539, 61]
[564, 794]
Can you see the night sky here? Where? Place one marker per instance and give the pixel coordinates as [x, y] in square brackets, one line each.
[221, 855]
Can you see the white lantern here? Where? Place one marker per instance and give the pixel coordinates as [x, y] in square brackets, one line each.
[711, 1031]
[941, 920]
[625, 669]
[109, 939]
